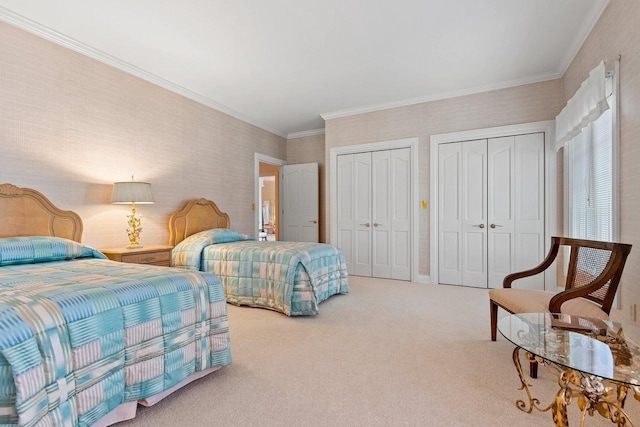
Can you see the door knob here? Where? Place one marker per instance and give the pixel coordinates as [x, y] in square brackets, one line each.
[314, 221]
[495, 225]
[375, 224]
[479, 225]
[366, 224]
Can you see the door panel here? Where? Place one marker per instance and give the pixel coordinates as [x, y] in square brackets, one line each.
[449, 213]
[500, 197]
[362, 197]
[381, 218]
[491, 210]
[474, 207]
[529, 207]
[400, 219]
[300, 202]
[346, 209]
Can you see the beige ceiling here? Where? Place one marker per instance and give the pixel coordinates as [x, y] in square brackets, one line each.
[284, 64]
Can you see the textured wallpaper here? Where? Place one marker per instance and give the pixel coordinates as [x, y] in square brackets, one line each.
[70, 126]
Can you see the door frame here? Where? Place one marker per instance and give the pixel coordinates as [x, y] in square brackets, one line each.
[411, 143]
[550, 183]
[261, 158]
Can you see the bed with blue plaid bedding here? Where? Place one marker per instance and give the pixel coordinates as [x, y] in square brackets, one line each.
[81, 335]
[289, 277]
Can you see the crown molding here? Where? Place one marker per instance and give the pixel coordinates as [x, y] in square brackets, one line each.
[60, 39]
[573, 51]
[302, 134]
[440, 96]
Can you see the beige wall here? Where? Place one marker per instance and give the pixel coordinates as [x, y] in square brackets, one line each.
[70, 126]
[618, 33]
[311, 149]
[522, 104]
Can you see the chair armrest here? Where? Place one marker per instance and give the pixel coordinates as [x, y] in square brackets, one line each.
[560, 298]
[551, 257]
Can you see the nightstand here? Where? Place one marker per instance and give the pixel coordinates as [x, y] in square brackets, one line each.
[148, 254]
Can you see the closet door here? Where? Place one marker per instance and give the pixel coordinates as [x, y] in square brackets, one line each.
[374, 213]
[391, 213]
[354, 211]
[491, 210]
[462, 213]
[450, 213]
[400, 210]
[501, 206]
[474, 213]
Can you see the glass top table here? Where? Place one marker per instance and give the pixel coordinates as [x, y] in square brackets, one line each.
[584, 352]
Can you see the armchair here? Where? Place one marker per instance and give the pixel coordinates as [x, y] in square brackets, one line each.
[592, 280]
[593, 277]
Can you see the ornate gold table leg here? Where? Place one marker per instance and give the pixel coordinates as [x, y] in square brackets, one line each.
[533, 402]
[593, 395]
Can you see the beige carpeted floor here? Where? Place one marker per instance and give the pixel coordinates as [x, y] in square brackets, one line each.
[389, 353]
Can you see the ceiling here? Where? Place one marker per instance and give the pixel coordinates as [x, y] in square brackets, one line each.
[283, 65]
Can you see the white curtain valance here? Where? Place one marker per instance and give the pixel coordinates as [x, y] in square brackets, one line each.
[588, 103]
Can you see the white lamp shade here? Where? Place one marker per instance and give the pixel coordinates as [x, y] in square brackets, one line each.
[132, 192]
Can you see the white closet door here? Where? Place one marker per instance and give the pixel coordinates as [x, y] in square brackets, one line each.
[400, 203]
[300, 207]
[346, 209]
[381, 213]
[391, 214]
[491, 210]
[474, 218]
[529, 207]
[354, 211]
[501, 156]
[362, 220]
[450, 213]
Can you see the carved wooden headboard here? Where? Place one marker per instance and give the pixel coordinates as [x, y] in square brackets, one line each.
[196, 215]
[26, 212]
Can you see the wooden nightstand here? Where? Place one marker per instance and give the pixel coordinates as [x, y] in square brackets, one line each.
[148, 254]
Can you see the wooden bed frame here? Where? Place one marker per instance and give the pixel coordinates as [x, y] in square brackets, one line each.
[196, 215]
[27, 212]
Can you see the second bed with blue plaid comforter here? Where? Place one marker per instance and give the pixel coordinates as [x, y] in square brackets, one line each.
[289, 277]
[81, 335]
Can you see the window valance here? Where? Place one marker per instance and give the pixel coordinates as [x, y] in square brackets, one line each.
[588, 103]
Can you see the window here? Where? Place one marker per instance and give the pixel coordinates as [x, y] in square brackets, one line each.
[590, 181]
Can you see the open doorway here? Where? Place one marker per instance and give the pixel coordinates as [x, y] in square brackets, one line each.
[267, 197]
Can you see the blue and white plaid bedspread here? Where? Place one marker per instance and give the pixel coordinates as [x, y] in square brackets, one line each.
[78, 337]
[290, 277]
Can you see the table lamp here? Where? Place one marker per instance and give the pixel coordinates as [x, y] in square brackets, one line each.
[132, 192]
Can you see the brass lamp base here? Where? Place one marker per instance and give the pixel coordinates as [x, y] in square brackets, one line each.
[133, 232]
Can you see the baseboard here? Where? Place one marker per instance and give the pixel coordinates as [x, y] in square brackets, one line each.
[423, 278]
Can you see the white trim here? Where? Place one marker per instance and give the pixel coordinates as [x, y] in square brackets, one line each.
[302, 134]
[615, 155]
[60, 39]
[424, 279]
[411, 143]
[548, 128]
[441, 96]
[261, 158]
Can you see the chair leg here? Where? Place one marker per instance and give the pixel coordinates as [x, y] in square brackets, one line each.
[494, 319]
[533, 369]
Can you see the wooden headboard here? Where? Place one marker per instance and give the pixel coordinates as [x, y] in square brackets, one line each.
[196, 215]
[26, 212]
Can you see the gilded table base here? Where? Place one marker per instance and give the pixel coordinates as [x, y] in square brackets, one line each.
[592, 394]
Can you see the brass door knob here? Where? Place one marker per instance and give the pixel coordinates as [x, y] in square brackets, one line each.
[479, 225]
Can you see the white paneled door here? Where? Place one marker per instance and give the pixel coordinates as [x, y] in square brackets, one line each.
[491, 210]
[374, 212]
[299, 202]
